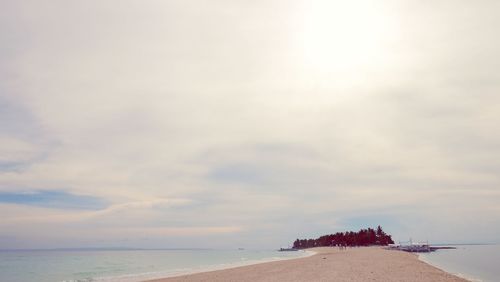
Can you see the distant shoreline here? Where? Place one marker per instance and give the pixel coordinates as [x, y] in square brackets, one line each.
[330, 263]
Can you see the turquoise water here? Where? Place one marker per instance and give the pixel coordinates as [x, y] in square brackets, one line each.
[473, 262]
[123, 265]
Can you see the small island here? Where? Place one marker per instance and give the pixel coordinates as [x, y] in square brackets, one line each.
[364, 237]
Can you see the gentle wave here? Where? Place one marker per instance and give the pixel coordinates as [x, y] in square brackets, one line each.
[137, 277]
[471, 262]
[459, 274]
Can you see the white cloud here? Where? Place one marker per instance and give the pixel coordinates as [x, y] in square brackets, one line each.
[13, 150]
[218, 103]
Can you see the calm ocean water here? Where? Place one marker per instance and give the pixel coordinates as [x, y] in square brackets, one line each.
[123, 265]
[473, 262]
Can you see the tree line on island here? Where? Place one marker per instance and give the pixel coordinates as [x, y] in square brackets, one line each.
[364, 237]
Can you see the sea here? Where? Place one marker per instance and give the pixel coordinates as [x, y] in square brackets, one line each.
[124, 265]
[472, 262]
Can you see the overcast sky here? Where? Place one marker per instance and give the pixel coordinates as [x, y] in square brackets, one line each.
[247, 123]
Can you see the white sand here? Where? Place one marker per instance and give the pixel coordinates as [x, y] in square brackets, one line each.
[332, 264]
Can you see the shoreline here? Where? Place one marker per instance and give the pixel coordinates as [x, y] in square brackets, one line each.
[155, 276]
[460, 275]
[330, 264]
[223, 267]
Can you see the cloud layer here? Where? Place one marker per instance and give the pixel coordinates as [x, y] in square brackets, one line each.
[236, 123]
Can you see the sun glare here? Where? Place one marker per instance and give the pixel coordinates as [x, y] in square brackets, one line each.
[343, 36]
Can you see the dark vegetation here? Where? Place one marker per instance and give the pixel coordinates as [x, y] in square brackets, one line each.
[364, 237]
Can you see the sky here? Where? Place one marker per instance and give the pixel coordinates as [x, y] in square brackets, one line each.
[225, 124]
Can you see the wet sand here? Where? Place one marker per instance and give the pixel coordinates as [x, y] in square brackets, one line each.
[332, 264]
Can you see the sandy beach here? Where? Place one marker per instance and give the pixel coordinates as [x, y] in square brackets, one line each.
[332, 264]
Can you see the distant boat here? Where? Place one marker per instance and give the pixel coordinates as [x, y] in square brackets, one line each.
[241, 249]
[287, 250]
[412, 247]
[418, 247]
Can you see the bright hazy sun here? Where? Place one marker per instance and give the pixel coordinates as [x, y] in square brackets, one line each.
[343, 36]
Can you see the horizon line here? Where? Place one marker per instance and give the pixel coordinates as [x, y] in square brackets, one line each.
[185, 248]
